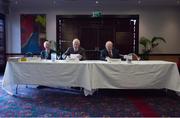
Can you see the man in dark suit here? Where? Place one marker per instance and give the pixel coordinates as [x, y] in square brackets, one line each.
[109, 51]
[75, 49]
[46, 54]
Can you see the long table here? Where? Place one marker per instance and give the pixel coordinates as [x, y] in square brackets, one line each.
[92, 75]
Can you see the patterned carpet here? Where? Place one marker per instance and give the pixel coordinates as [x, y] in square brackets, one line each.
[50, 102]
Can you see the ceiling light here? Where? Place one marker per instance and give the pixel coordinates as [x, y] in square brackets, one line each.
[178, 2]
[139, 1]
[97, 2]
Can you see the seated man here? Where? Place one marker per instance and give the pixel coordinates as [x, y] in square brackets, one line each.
[46, 54]
[75, 49]
[109, 51]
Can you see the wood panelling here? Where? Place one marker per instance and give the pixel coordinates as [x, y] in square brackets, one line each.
[173, 58]
[94, 32]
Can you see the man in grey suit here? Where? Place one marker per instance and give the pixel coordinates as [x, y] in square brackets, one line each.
[75, 49]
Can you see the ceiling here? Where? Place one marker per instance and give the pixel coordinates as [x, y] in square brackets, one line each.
[88, 3]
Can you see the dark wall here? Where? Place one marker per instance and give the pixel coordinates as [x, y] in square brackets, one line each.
[2, 43]
[94, 32]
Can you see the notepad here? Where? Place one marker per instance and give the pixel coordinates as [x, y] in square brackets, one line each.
[23, 59]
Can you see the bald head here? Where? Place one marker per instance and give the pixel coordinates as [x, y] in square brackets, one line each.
[109, 45]
[47, 45]
[76, 43]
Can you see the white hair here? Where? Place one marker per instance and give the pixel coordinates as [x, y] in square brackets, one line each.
[47, 43]
[76, 40]
[108, 43]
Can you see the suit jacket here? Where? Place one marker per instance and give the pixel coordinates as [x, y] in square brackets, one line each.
[104, 54]
[44, 54]
[70, 50]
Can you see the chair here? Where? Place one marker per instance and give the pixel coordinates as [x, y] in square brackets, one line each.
[135, 57]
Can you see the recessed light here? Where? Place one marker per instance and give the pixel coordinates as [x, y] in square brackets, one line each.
[97, 2]
[139, 1]
[178, 2]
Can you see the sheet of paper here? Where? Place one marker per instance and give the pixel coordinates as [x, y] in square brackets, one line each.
[75, 56]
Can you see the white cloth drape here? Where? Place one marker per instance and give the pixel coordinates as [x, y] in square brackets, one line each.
[92, 75]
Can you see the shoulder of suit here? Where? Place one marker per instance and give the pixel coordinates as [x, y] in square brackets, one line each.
[103, 49]
[53, 50]
[115, 49]
[81, 48]
[70, 48]
[42, 51]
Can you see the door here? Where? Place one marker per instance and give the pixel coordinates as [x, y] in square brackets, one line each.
[94, 32]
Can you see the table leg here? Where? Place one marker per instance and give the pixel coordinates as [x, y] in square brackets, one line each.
[17, 89]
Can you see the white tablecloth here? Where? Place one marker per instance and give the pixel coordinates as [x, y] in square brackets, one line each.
[93, 74]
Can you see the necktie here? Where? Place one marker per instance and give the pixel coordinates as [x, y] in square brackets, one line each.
[109, 53]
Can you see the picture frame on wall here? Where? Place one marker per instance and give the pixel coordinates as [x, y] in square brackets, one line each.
[33, 32]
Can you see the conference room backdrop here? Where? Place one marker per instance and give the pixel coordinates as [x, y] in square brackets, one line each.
[153, 21]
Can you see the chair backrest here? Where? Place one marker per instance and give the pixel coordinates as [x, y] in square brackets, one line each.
[135, 57]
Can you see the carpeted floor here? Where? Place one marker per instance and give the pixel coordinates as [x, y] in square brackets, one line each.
[50, 102]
